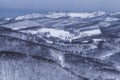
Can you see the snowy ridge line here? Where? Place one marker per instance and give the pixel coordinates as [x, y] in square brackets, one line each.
[58, 15]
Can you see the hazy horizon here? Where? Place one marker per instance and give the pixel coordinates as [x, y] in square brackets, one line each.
[17, 7]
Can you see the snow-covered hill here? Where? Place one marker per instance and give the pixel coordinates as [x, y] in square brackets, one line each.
[80, 46]
[57, 24]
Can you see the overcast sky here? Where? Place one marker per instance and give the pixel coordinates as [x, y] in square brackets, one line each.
[26, 6]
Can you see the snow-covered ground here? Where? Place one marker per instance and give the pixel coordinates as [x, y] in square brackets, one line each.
[111, 19]
[22, 24]
[58, 15]
[50, 32]
[88, 33]
[86, 15]
[29, 16]
[62, 34]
